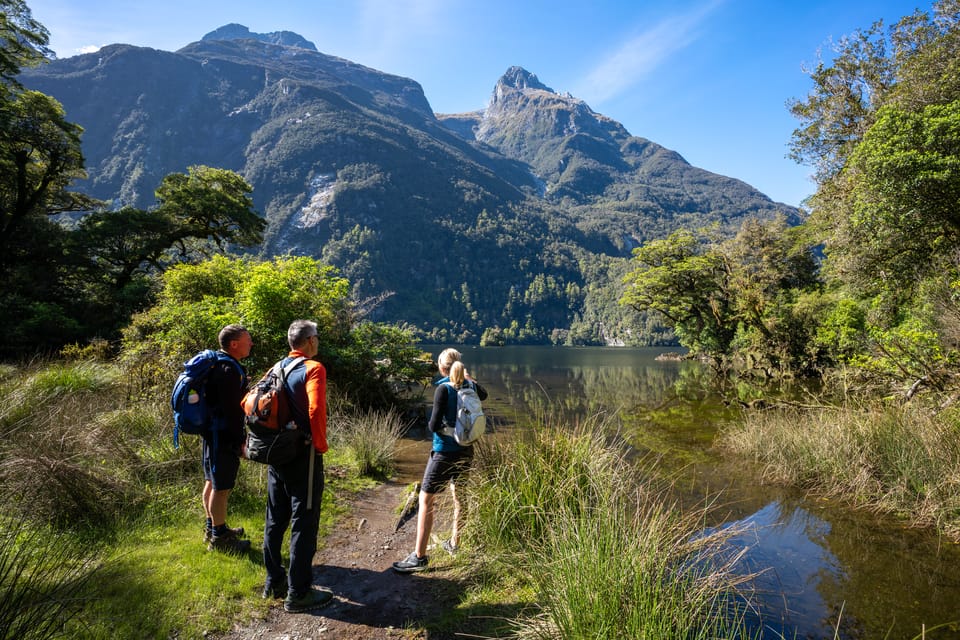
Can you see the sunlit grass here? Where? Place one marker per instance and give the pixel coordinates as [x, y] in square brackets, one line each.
[563, 510]
[84, 460]
[371, 439]
[900, 460]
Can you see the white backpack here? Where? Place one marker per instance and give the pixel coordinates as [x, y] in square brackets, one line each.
[471, 423]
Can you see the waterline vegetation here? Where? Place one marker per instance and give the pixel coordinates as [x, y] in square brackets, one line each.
[562, 512]
[899, 459]
[602, 551]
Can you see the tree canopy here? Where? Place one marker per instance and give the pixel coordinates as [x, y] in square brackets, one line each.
[370, 364]
[881, 128]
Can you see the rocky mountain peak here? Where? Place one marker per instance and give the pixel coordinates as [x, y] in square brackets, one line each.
[520, 78]
[236, 31]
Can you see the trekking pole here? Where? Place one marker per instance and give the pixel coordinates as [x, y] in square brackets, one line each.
[313, 453]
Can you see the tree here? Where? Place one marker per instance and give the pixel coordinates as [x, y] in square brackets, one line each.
[904, 190]
[199, 213]
[881, 126]
[23, 41]
[685, 281]
[732, 300]
[210, 203]
[370, 364]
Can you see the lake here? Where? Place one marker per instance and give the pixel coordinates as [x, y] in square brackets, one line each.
[829, 571]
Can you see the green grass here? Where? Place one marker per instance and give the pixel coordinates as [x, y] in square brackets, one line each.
[88, 466]
[899, 460]
[564, 512]
[560, 516]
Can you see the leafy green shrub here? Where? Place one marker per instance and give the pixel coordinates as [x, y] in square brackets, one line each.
[370, 364]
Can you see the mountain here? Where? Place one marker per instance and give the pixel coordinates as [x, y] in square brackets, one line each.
[516, 219]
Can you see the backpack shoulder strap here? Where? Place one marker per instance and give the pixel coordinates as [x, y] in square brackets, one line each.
[284, 372]
[450, 416]
[222, 356]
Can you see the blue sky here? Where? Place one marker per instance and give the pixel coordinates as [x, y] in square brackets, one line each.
[709, 79]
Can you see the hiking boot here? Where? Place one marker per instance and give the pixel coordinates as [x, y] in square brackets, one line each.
[271, 592]
[228, 543]
[312, 599]
[208, 533]
[449, 548]
[411, 564]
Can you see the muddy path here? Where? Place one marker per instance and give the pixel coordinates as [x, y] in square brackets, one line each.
[371, 600]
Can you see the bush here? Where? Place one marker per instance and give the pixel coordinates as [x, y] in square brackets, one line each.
[372, 365]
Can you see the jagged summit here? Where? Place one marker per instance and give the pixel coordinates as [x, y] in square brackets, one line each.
[520, 78]
[236, 31]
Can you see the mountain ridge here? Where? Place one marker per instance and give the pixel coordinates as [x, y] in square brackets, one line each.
[521, 215]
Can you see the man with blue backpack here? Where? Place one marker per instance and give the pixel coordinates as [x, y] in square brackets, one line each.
[222, 444]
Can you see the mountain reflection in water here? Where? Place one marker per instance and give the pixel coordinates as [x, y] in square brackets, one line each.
[828, 571]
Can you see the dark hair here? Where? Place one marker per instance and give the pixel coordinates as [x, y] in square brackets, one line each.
[230, 333]
[300, 331]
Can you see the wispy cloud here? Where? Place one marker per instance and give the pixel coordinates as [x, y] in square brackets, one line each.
[643, 53]
[90, 48]
[391, 27]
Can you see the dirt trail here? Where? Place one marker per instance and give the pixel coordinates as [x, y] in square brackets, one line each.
[371, 600]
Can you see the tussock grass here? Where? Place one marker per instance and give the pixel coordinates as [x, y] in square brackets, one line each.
[370, 437]
[605, 554]
[89, 473]
[903, 460]
[58, 464]
[45, 581]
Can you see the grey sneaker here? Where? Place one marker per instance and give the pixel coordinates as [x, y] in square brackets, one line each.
[449, 548]
[411, 564]
[228, 544]
[312, 599]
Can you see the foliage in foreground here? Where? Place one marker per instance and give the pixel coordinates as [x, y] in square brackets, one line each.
[900, 460]
[45, 579]
[606, 556]
[371, 365]
[90, 482]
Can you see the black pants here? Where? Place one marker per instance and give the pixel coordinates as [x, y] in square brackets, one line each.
[287, 487]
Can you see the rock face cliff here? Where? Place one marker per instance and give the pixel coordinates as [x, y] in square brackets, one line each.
[506, 218]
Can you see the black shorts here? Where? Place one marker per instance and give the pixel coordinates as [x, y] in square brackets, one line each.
[220, 466]
[443, 468]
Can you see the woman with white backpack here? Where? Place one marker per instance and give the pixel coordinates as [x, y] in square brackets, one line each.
[449, 460]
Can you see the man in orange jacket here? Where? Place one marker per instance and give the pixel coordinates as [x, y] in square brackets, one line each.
[294, 489]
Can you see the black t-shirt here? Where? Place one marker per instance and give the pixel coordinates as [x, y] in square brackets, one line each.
[226, 387]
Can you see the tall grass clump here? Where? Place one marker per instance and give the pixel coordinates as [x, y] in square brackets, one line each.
[897, 459]
[638, 573]
[371, 438]
[606, 555]
[56, 464]
[520, 484]
[44, 581]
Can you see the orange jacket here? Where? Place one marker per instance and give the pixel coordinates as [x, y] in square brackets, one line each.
[309, 386]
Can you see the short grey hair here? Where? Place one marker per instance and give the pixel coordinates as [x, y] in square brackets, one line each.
[300, 331]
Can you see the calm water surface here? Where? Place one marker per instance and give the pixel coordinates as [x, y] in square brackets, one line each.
[830, 572]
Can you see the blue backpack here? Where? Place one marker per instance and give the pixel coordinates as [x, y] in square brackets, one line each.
[191, 410]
